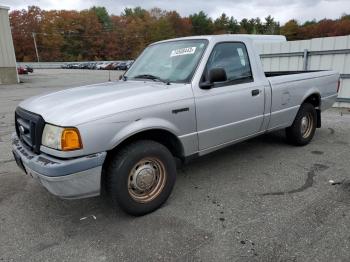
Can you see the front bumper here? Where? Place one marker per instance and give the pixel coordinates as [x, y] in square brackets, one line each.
[65, 178]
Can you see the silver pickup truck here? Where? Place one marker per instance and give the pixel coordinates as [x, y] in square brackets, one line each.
[182, 98]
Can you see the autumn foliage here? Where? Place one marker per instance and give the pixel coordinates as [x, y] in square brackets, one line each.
[312, 29]
[68, 35]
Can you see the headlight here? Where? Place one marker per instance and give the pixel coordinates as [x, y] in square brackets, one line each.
[61, 138]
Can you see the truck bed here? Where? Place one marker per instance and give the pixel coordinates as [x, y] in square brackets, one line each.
[290, 88]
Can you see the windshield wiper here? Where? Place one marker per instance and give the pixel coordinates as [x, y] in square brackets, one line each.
[152, 77]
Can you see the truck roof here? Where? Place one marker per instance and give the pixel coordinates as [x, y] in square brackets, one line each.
[234, 37]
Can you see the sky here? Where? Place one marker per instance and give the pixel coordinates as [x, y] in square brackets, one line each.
[281, 10]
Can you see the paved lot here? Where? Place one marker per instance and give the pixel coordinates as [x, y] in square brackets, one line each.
[261, 200]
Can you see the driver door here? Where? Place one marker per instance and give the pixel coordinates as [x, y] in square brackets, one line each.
[233, 109]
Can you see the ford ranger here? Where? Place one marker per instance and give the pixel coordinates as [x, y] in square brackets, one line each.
[181, 98]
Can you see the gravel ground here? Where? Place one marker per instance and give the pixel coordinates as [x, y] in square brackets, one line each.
[261, 200]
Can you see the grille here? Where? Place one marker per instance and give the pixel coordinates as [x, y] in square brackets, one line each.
[29, 129]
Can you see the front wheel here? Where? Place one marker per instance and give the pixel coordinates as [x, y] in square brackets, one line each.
[141, 176]
[303, 128]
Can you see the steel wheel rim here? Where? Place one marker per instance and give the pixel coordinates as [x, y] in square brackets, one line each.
[146, 179]
[306, 125]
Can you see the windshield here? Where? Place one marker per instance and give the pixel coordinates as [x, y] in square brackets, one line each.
[173, 61]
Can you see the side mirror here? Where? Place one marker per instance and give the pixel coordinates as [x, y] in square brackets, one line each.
[214, 75]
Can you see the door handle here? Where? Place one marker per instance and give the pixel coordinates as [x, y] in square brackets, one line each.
[255, 92]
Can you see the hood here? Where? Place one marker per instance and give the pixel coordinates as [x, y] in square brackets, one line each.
[78, 105]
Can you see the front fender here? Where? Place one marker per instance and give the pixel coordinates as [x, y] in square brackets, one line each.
[140, 125]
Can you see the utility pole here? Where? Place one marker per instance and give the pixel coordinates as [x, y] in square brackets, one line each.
[36, 48]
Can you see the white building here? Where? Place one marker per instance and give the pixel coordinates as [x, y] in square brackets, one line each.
[8, 71]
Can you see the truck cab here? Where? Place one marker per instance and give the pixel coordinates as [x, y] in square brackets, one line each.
[181, 98]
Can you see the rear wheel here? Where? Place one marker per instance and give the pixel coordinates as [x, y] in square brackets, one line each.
[141, 177]
[303, 128]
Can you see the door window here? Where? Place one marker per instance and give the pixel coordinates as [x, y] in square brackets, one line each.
[232, 57]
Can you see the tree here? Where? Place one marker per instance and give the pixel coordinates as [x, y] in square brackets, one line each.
[290, 30]
[93, 34]
[343, 27]
[271, 27]
[221, 24]
[247, 26]
[24, 23]
[135, 12]
[201, 24]
[180, 25]
[50, 40]
[308, 23]
[102, 15]
[233, 26]
[259, 28]
[157, 13]
[345, 17]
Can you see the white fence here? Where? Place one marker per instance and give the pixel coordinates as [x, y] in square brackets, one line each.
[329, 53]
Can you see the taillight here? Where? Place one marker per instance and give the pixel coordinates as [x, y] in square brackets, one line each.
[338, 86]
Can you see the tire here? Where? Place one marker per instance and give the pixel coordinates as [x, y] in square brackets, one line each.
[302, 130]
[141, 176]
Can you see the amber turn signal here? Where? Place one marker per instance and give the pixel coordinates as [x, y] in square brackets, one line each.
[70, 139]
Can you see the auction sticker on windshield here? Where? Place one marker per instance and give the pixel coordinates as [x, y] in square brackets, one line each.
[183, 51]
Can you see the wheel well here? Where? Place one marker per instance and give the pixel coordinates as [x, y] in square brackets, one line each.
[314, 100]
[166, 138]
